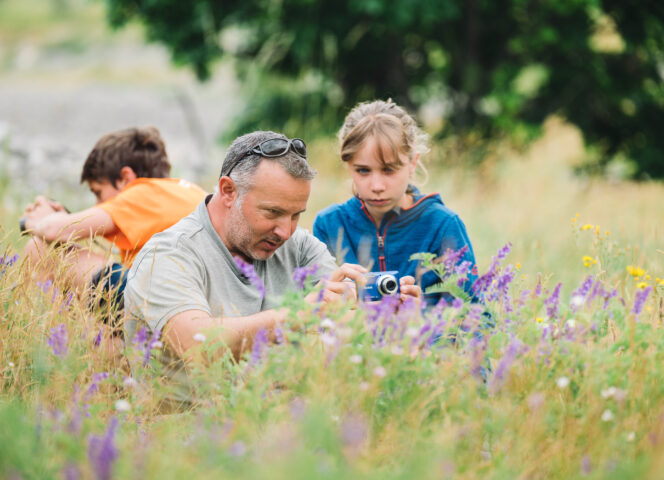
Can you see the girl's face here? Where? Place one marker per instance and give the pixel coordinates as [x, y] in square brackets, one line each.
[381, 187]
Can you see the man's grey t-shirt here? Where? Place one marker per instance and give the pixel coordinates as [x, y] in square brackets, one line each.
[188, 267]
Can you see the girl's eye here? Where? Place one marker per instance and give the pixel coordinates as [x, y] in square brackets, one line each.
[362, 170]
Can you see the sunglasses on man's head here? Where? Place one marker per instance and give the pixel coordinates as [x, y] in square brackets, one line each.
[275, 147]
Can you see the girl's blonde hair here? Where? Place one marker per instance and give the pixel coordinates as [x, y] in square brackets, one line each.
[392, 127]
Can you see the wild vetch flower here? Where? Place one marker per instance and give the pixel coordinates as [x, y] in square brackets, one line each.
[238, 449]
[97, 378]
[248, 271]
[102, 453]
[552, 302]
[57, 340]
[259, 346]
[145, 344]
[45, 286]
[301, 274]
[452, 257]
[279, 335]
[586, 467]
[514, 348]
[484, 281]
[71, 472]
[640, 299]
[354, 431]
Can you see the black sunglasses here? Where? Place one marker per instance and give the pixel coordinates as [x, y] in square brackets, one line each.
[275, 147]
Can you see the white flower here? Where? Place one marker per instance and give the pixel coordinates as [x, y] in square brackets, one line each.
[11, 365]
[355, 359]
[607, 416]
[199, 337]
[562, 382]
[129, 382]
[328, 339]
[157, 344]
[327, 323]
[364, 386]
[122, 406]
[571, 323]
[397, 350]
[631, 436]
[379, 371]
[577, 300]
[412, 332]
[609, 392]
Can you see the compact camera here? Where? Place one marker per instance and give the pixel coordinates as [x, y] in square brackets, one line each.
[379, 285]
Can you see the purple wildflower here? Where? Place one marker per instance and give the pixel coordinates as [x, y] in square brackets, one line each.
[279, 335]
[248, 271]
[586, 467]
[145, 344]
[453, 257]
[5, 262]
[259, 346]
[483, 282]
[97, 378]
[97, 341]
[58, 339]
[102, 453]
[514, 348]
[301, 274]
[552, 302]
[71, 472]
[354, 431]
[640, 299]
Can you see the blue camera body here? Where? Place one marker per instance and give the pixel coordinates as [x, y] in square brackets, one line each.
[379, 285]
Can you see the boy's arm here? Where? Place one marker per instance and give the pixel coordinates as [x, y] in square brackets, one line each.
[44, 220]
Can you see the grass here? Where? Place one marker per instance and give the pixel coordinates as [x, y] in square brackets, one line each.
[574, 385]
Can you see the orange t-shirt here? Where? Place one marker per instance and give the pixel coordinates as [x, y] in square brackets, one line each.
[147, 206]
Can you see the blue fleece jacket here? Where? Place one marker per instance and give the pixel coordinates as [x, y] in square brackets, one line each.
[427, 226]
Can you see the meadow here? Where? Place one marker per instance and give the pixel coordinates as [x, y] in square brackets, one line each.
[567, 384]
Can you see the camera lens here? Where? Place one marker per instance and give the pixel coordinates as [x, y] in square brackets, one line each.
[387, 285]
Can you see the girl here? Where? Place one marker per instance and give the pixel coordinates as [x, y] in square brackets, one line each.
[388, 219]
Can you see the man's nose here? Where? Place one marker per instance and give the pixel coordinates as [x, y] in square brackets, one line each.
[284, 228]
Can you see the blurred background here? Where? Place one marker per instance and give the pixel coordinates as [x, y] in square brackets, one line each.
[537, 110]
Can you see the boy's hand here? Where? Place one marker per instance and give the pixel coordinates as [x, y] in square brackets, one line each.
[41, 208]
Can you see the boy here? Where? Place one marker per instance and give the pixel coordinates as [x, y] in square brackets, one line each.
[128, 171]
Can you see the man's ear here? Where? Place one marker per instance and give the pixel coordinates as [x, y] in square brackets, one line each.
[227, 191]
[127, 175]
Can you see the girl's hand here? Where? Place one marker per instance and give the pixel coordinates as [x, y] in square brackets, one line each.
[408, 288]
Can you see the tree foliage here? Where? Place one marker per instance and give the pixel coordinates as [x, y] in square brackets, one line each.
[490, 66]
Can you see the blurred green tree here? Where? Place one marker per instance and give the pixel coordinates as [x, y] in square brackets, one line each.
[486, 66]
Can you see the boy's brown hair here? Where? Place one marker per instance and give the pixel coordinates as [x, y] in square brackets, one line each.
[141, 148]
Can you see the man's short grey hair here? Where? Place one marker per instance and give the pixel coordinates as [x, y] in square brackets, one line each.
[243, 173]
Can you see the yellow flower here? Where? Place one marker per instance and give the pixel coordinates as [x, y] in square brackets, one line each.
[661, 282]
[635, 271]
[642, 285]
[539, 319]
[518, 265]
[597, 230]
[588, 261]
[587, 226]
[647, 277]
[607, 233]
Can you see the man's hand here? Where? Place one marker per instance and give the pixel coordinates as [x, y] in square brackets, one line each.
[408, 288]
[338, 286]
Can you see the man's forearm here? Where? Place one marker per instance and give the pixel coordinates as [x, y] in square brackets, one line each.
[237, 333]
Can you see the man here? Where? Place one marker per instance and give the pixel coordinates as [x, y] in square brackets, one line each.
[187, 281]
[127, 171]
